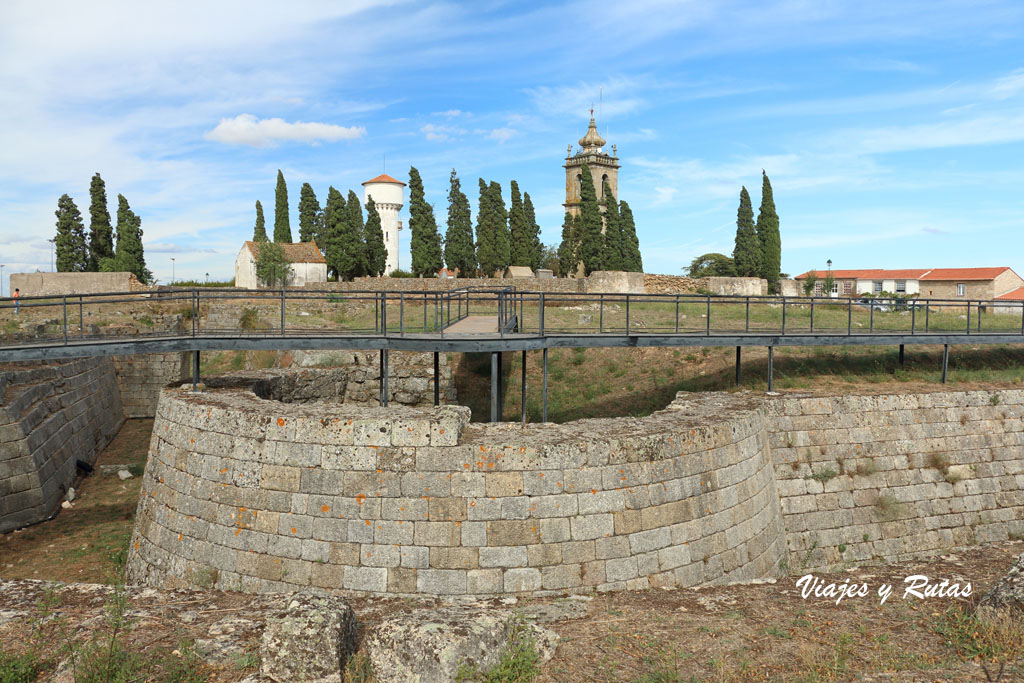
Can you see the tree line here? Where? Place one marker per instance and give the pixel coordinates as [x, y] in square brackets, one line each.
[599, 241]
[104, 249]
[758, 246]
[503, 236]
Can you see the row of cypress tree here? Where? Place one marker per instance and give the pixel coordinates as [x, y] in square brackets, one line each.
[599, 242]
[75, 253]
[351, 246]
[758, 250]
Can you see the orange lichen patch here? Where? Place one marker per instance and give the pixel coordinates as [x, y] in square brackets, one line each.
[594, 491]
[440, 431]
[472, 503]
[490, 464]
[466, 466]
[237, 531]
[192, 440]
[325, 508]
[483, 449]
[368, 523]
[522, 449]
[280, 422]
[559, 484]
[540, 476]
[180, 537]
[136, 545]
[223, 470]
[241, 509]
[294, 530]
[360, 498]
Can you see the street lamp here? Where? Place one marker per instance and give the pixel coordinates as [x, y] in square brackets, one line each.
[207, 278]
[172, 271]
[52, 242]
[829, 277]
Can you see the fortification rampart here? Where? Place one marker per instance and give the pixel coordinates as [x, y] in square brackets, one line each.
[51, 416]
[252, 493]
[141, 377]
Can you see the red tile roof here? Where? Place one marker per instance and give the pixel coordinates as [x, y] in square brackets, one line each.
[384, 178]
[964, 273]
[869, 274]
[1015, 295]
[297, 252]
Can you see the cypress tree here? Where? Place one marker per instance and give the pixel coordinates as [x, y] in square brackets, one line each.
[458, 240]
[484, 237]
[502, 238]
[768, 234]
[331, 239]
[746, 256]
[376, 253]
[521, 246]
[425, 242]
[101, 235]
[259, 233]
[309, 208]
[355, 240]
[592, 240]
[614, 246]
[72, 254]
[569, 249]
[533, 230]
[634, 263]
[282, 224]
[128, 256]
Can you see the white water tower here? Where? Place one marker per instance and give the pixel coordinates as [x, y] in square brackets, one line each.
[388, 195]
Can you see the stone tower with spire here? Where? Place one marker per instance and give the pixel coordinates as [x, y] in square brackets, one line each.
[603, 167]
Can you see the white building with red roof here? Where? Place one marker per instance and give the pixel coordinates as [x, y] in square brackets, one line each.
[927, 283]
[306, 264]
[388, 196]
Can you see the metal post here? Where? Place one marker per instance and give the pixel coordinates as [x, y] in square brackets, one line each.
[812, 315]
[544, 410]
[384, 325]
[600, 316]
[65, 320]
[968, 317]
[424, 311]
[387, 371]
[523, 388]
[738, 350]
[783, 315]
[380, 381]
[195, 370]
[771, 366]
[746, 327]
[708, 317]
[494, 386]
[541, 313]
[437, 379]
[849, 317]
[282, 311]
[195, 311]
[501, 388]
[81, 318]
[401, 313]
[979, 316]
[677, 314]
[945, 361]
[627, 314]
[872, 304]
[901, 354]
[913, 318]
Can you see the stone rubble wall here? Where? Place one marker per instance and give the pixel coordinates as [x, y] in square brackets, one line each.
[140, 378]
[51, 416]
[724, 286]
[896, 476]
[267, 496]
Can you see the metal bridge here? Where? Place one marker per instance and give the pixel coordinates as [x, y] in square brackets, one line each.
[477, 319]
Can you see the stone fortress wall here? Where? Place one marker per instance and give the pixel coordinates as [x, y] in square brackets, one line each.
[50, 417]
[260, 495]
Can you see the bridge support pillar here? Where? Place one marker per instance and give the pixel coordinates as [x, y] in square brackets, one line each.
[494, 385]
[738, 351]
[523, 403]
[544, 409]
[195, 370]
[437, 380]
[771, 366]
[387, 370]
[945, 361]
[901, 354]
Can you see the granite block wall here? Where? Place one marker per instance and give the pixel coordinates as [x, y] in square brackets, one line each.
[242, 492]
[51, 416]
[140, 378]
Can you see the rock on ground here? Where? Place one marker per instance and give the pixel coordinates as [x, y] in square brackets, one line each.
[308, 640]
[1008, 592]
[429, 646]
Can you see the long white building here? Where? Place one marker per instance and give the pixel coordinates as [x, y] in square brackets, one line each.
[388, 195]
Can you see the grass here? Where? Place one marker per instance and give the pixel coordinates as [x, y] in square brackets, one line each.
[19, 668]
[995, 640]
[824, 475]
[887, 508]
[519, 664]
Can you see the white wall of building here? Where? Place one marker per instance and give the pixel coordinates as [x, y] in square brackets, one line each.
[911, 286]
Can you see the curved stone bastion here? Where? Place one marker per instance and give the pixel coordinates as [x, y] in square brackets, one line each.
[250, 493]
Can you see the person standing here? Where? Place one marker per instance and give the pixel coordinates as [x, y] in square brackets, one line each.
[17, 293]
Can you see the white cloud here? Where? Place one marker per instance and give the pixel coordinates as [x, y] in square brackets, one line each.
[614, 97]
[246, 129]
[502, 134]
[451, 113]
[441, 133]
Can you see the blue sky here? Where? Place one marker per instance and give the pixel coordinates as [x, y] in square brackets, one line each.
[893, 132]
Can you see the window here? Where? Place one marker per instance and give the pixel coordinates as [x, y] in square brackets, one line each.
[961, 289]
[901, 286]
[847, 287]
[817, 288]
[877, 286]
[835, 287]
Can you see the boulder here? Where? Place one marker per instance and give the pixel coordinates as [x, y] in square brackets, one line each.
[1008, 592]
[308, 639]
[430, 646]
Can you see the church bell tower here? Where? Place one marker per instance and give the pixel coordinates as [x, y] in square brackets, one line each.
[603, 167]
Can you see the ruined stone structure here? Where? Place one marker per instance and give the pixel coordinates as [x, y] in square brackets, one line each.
[243, 492]
[141, 377]
[50, 417]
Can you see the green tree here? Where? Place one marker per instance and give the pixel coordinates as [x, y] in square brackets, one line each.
[282, 224]
[521, 241]
[259, 233]
[591, 237]
[809, 282]
[747, 253]
[101, 234]
[356, 231]
[549, 259]
[768, 234]
[533, 230]
[569, 249]
[309, 209]
[272, 265]
[614, 243]
[425, 241]
[502, 237]
[458, 240]
[711, 265]
[72, 254]
[128, 256]
[492, 252]
[331, 241]
[376, 252]
[634, 262]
